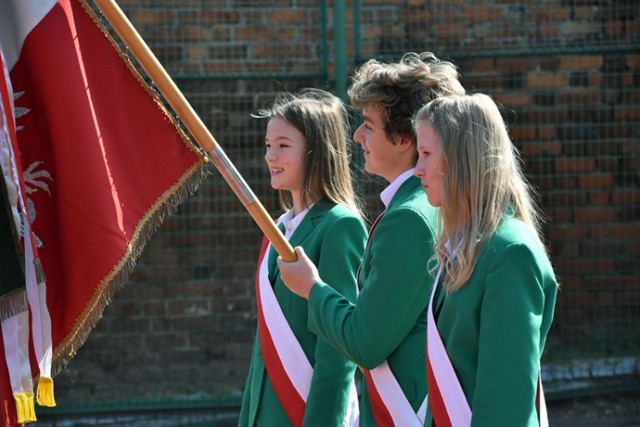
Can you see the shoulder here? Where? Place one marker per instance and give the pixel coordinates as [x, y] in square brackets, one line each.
[514, 242]
[412, 209]
[513, 231]
[336, 215]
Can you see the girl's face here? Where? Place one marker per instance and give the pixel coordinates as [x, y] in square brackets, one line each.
[429, 165]
[285, 155]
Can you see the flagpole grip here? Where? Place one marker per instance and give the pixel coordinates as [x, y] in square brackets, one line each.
[194, 124]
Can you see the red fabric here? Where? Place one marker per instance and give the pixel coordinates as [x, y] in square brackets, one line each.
[291, 401]
[378, 408]
[438, 409]
[112, 154]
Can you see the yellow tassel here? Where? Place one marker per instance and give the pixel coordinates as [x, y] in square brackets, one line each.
[45, 392]
[25, 407]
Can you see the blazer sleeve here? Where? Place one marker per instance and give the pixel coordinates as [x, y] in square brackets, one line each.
[393, 295]
[340, 255]
[510, 341]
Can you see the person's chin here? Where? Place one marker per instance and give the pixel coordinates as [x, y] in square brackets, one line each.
[276, 185]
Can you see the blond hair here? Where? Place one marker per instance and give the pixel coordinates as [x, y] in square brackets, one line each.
[483, 180]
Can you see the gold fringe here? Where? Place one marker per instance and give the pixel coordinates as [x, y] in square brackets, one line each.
[13, 303]
[25, 407]
[166, 205]
[40, 277]
[135, 71]
[45, 392]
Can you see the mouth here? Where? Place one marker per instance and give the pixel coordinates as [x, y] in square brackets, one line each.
[275, 171]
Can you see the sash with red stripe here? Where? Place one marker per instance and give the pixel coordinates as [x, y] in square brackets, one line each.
[447, 401]
[389, 405]
[286, 364]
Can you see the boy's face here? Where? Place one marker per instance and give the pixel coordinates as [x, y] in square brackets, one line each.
[378, 150]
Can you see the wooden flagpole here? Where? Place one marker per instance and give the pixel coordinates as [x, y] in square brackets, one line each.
[194, 124]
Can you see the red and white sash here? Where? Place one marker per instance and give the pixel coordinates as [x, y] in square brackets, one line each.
[286, 363]
[448, 403]
[389, 405]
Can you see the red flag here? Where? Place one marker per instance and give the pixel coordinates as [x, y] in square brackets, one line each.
[103, 162]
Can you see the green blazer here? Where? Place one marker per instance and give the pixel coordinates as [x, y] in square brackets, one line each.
[388, 321]
[495, 327]
[334, 238]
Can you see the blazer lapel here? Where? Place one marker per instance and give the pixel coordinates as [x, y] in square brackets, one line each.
[407, 187]
[313, 217]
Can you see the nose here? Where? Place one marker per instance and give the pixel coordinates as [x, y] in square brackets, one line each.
[357, 135]
[269, 155]
[418, 170]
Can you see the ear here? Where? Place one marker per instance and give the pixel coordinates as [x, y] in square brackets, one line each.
[404, 143]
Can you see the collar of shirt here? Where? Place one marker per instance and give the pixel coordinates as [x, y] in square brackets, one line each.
[388, 193]
[292, 222]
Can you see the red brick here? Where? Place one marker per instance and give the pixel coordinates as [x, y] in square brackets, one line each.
[600, 231]
[599, 198]
[513, 98]
[625, 230]
[542, 79]
[581, 62]
[549, 13]
[601, 214]
[595, 181]
[533, 149]
[564, 232]
[573, 164]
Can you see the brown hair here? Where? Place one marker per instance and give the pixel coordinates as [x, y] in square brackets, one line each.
[322, 118]
[400, 89]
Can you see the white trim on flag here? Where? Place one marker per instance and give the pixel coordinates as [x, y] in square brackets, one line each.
[17, 20]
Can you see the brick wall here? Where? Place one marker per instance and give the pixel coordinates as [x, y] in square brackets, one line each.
[184, 323]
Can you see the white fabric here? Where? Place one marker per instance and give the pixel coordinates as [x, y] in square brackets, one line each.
[542, 414]
[445, 376]
[15, 336]
[291, 354]
[388, 193]
[17, 20]
[394, 399]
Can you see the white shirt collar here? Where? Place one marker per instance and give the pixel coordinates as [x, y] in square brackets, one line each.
[388, 193]
[292, 222]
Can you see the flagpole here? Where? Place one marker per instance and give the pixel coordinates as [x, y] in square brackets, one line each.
[192, 121]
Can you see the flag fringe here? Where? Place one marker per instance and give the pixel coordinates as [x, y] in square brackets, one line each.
[144, 83]
[25, 407]
[13, 303]
[44, 395]
[166, 205]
